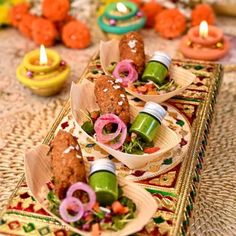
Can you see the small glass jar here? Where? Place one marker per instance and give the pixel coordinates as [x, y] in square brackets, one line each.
[103, 181]
[148, 121]
[157, 68]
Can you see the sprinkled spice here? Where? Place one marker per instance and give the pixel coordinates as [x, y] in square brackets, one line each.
[132, 43]
[69, 149]
[118, 81]
[116, 86]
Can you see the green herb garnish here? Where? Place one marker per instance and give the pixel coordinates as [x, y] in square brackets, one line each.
[136, 146]
[54, 202]
[88, 127]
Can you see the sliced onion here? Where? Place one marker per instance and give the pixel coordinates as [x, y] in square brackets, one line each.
[121, 139]
[73, 204]
[86, 188]
[102, 121]
[125, 66]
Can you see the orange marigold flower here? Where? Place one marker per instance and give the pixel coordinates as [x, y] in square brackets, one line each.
[43, 32]
[25, 25]
[59, 24]
[151, 10]
[139, 3]
[203, 12]
[170, 23]
[17, 12]
[75, 34]
[55, 10]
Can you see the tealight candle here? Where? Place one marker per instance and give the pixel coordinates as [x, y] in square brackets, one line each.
[121, 17]
[43, 71]
[204, 43]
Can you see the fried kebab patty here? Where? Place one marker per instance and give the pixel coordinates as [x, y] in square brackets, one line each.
[111, 98]
[132, 48]
[67, 162]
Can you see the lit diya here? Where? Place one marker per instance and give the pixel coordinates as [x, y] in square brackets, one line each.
[204, 43]
[43, 71]
[120, 18]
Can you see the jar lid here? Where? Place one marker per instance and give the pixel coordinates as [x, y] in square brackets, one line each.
[161, 57]
[155, 109]
[103, 164]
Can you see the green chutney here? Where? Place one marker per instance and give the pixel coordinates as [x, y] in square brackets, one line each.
[148, 121]
[156, 69]
[103, 181]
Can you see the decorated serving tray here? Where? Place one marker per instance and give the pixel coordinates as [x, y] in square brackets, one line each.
[172, 180]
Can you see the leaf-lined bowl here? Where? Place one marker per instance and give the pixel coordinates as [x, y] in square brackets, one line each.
[109, 53]
[83, 99]
[38, 174]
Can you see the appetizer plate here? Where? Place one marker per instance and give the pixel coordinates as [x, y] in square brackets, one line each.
[109, 52]
[37, 161]
[166, 139]
[167, 161]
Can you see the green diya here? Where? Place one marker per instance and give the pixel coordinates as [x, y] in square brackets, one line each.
[120, 18]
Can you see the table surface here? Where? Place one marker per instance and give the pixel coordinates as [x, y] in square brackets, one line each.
[25, 119]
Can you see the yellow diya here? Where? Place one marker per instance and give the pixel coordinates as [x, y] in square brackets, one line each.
[43, 71]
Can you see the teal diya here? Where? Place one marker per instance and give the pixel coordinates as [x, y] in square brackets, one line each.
[120, 18]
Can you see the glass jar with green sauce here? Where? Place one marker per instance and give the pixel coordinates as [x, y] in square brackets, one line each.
[157, 68]
[103, 181]
[148, 121]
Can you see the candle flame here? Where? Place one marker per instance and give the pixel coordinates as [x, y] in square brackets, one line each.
[43, 60]
[121, 7]
[203, 29]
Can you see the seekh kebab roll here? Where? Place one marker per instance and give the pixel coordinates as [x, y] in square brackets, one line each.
[111, 98]
[132, 48]
[67, 162]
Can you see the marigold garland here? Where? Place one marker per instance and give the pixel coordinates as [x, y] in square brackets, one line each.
[16, 13]
[170, 23]
[59, 24]
[55, 10]
[75, 34]
[25, 26]
[43, 32]
[202, 12]
[151, 10]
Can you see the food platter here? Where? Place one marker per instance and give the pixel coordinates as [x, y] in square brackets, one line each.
[188, 114]
[37, 161]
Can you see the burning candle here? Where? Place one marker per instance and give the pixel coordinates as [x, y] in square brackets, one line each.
[43, 71]
[204, 43]
[121, 8]
[121, 17]
[203, 29]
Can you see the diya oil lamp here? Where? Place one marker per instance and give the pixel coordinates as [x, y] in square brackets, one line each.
[43, 71]
[120, 18]
[204, 43]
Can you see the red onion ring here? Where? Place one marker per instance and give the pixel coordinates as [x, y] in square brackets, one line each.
[105, 138]
[125, 66]
[101, 122]
[76, 206]
[82, 186]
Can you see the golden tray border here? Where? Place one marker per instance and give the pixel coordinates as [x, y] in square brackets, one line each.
[187, 186]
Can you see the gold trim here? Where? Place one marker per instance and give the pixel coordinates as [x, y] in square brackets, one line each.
[190, 163]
